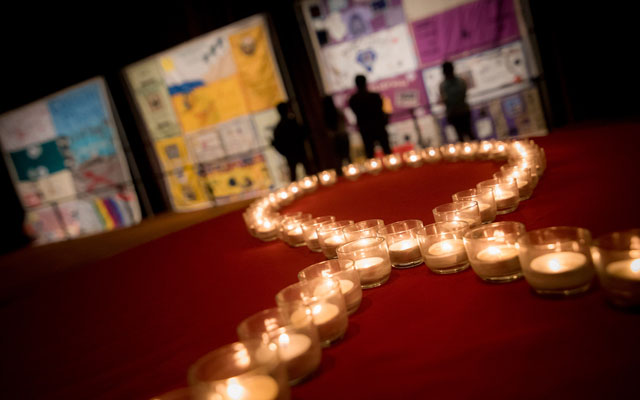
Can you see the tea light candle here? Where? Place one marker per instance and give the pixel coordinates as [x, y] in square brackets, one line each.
[373, 166]
[497, 260]
[628, 270]
[372, 269]
[327, 178]
[295, 236]
[560, 270]
[485, 212]
[504, 198]
[254, 387]
[266, 231]
[404, 252]
[326, 317]
[444, 254]
[331, 244]
[351, 171]
[293, 345]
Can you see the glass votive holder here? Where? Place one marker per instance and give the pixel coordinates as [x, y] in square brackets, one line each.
[442, 246]
[331, 236]
[431, 154]
[292, 230]
[484, 149]
[486, 202]
[291, 216]
[504, 192]
[499, 150]
[412, 158]
[328, 177]
[468, 151]
[616, 257]
[450, 152]
[392, 162]
[266, 229]
[522, 177]
[557, 260]
[295, 190]
[371, 259]
[373, 166]
[493, 251]
[298, 345]
[362, 229]
[533, 172]
[347, 275]
[249, 369]
[310, 234]
[404, 251]
[323, 300]
[465, 210]
[309, 184]
[284, 197]
[351, 171]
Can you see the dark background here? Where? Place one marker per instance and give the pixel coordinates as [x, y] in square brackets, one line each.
[586, 54]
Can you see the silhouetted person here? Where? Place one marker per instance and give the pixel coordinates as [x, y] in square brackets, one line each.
[372, 120]
[336, 124]
[453, 92]
[289, 138]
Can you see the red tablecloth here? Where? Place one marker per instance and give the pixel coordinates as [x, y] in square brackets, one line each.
[130, 326]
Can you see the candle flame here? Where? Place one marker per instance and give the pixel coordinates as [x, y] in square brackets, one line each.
[235, 391]
[447, 247]
[467, 149]
[635, 265]
[283, 339]
[554, 265]
[392, 160]
[316, 309]
[432, 152]
[493, 250]
[452, 150]
[413, 157]
[352, 170]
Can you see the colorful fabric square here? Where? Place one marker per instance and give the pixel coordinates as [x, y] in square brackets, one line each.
[38, 161]
[256, 68]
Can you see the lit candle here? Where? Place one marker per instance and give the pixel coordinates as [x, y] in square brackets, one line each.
[254, 387]
[445, 254]
[331, 244]
[405, 252]
[293, 345]
[563, 270]
[266, 230]
[496, 261]
[625, 269]
[372, 269]
[296, 351]
[295, 236]
[352, 297]
[505, 199]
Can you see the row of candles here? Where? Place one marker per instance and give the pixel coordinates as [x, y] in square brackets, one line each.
[281, 346]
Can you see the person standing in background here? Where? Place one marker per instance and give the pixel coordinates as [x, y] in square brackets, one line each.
[336, 124]
[289, 139]
[453, 93]
[372, 120]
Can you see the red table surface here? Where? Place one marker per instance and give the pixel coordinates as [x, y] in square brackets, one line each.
[130, 326]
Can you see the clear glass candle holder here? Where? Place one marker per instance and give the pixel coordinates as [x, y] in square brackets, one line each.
[485, 200]
[292, 229]
[498, 151]
[298, 345]
[484, 149]
[557, 260]
[284, 197]
[295, 190]
[373, 166]
[392, 162]
[266, 229]
[431, 154]
[464, 210]
[371, 259]
[362, 229]
[322, 299]
[328, 177]
[523, 180]
[616, 257]
[309, 183]
[504, 192]
[450, 152]
[310, 234]
[520, 165]
[351, 171]
[412, 158]
[442, 246]
[346, 273]
[289, 217]
[249, 369]
[402, 242]
[468, 151]
[493, 251]
[331, 236]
